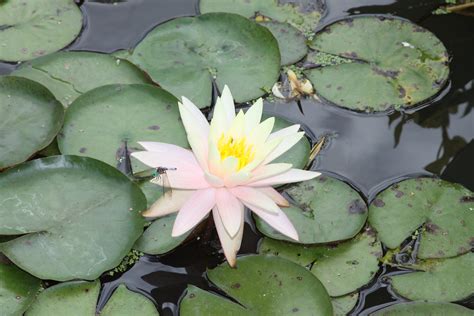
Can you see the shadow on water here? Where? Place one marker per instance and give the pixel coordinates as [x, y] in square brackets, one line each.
[370, 152]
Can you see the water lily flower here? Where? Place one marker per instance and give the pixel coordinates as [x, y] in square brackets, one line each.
[229, 168]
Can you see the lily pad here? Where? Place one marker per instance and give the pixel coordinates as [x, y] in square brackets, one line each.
[298, 155]
[291, 41]
[77, 217]
[186, 55]
[444, 210]
[322, 210]
[304, 15]
[342, 269]
[30, 29]
[80, 298]
[101, 121]
[69, 74]
[344, 304]
[263, 285]
[157, 239]
[423, 309]
[30, 119]
[438, 280]
[17, 290]
[397, 64]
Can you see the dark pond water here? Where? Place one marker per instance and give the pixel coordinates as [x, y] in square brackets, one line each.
[369, 152]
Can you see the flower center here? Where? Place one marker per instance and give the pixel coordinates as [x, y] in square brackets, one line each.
[237, 148]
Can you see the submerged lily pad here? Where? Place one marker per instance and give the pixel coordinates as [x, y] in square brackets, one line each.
[344, 304]
[444, 210]
[298, 155]
[342, 269]
[397, 64]
[80, 298]
[17, 290]
[422, 308]
[77, 217]
[100, 121]
[302, 14]
[157, 239]
[30, 119]
[263, 285]
[322, 210]
[186, 54]
[30, 29]
[69, 74]
[438, 280]
[291, 41]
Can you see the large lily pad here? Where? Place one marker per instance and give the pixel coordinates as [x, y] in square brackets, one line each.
[303, 15]
[344, 304]
[342, 269]
[291, 41]
[80, 298]
[30, 119]
[263, 285]
[69, 74]
[100, 121]
[423, 309]
[298, 155]
[186, 54]
[397, 64]
[17, 290]
[30, 29]
[322, 210]
[77, 217]
[438, 280]
[444, 209]
[157, 239]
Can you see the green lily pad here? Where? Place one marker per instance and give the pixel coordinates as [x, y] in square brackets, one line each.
[423, 309]
[100, 121]
[263, 285]
[322, 210]
[79, 298]
[291, 41]
[304, 15]
[17, 290]
[397, 64]
[157, 239]
[69, 74]
[30, 29]
[344, 304]
[444, 209]
[78, 217]
[298, 155]
[186, 54]
[342, 269]
[30, 119]
[438, 280]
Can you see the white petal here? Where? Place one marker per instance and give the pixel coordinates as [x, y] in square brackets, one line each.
[275, 196]
[255, 197]
[278, 220]
[230, 245]
[253, 116]
[266, 171]
[291, 176]
[286, 143]
[168, 203]
[231, 210]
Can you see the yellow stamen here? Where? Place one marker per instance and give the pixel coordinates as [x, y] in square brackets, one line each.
[237, 148]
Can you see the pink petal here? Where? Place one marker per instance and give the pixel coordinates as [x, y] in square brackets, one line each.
[255, 197]
[169, 159]
[279, 221]
[168, 203]
[230, 210]
[194, 210]
[275, 196]
[267, 171]
[187, 176]
[213, 180]
[291, 176]
[197, 130]
[230, 245]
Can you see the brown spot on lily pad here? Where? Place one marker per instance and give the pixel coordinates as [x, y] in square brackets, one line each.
[432, 228]
[235, 286]
[154, 127]
[467, 199]
[399, 194]
[357, 207]
[83, 150]
[379, 203]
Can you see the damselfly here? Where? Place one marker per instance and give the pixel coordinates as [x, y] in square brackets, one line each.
[157, 176]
